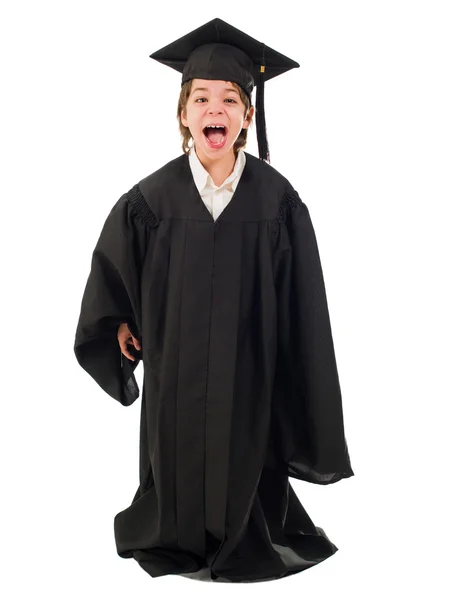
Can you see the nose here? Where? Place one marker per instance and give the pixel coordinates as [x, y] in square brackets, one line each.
[213, 109]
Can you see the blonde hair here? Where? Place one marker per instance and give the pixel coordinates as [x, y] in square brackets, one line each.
[186, 136]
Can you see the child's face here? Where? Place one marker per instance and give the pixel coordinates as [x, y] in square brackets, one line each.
[213, 102]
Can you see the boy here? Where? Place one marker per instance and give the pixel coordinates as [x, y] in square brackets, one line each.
[210, 266]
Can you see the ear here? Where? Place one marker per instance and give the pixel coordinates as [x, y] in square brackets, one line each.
[183, 117]
[248, 119]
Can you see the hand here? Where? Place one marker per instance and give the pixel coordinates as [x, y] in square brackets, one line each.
[124, 337]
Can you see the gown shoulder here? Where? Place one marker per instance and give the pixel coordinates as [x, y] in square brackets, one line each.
[139, 208]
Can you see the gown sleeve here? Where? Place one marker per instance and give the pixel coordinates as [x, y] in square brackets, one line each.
[112, 296]
[308, 427]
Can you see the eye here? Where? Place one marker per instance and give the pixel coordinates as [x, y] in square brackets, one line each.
[199, 99]
[232, 100]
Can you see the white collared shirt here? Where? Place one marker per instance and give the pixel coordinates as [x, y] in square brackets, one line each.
[215, 198]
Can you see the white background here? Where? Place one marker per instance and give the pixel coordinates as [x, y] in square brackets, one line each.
[361, 130]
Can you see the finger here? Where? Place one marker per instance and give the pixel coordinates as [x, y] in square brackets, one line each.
[128, 355]
[136, 343]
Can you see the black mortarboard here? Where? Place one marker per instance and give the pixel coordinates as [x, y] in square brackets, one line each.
[217, 50]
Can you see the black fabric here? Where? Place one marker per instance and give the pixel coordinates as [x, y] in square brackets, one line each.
[219, 51]
[240, 388]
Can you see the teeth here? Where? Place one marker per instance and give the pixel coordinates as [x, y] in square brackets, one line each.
[216, 126]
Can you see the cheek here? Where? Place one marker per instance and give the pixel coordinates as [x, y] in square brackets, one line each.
[196, 122]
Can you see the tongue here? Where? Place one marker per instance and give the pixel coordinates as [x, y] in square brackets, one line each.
[215, 135]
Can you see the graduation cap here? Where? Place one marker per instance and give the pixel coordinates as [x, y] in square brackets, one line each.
[218, 50]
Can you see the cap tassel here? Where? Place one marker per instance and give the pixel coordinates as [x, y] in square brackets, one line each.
[261, 130]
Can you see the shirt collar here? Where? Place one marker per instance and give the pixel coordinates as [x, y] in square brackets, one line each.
[202, 178]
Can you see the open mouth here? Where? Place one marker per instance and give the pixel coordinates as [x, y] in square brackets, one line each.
[215, 136]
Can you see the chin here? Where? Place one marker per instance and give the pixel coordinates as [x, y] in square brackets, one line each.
[214, 153]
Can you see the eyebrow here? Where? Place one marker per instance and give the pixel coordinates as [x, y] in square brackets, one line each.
[202, 89]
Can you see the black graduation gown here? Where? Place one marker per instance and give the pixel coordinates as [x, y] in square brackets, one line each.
[240, 385]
